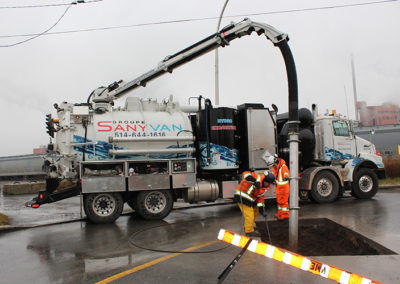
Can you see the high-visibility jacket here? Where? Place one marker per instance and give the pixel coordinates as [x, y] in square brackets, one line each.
[282, 189]
[248, 193]
[281, 171]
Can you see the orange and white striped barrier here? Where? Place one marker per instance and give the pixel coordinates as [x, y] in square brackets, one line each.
[295, 260]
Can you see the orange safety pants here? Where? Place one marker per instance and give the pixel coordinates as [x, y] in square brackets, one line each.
[250, 214]
[282, 199]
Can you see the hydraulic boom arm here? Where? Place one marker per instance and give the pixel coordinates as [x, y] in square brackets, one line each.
[212, 42]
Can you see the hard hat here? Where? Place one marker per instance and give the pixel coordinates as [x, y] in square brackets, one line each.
[270, 159]
[269, 177]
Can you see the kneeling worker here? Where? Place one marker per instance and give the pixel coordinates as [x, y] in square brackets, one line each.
[250, 195]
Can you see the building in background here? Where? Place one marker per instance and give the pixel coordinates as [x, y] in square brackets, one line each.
[41, 150]
[386, 138]
[385, 114]
[381, 126]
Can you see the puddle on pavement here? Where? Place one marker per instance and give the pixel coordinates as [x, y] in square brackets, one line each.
[321, 237]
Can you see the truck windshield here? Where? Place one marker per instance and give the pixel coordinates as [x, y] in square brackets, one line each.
[340, 128]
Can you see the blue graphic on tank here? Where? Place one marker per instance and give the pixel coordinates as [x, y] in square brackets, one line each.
[101, 148]
[221, 157]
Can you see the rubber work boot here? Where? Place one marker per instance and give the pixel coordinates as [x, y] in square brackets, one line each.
[253, 235]
[279, 213]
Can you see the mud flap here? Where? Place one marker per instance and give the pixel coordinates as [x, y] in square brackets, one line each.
[49, 196]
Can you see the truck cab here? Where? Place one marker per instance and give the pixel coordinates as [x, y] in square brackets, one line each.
[342, 161]
[335, 141]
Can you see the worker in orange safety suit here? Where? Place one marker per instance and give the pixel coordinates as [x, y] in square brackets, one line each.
[250, 195]
[281, 173]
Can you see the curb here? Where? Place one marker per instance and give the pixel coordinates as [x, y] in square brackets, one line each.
[389, 186]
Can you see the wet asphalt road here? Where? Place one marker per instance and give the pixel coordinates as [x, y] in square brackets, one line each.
[79, 252]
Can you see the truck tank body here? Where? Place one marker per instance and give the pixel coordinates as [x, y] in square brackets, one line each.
[217, 130]
[140, 130]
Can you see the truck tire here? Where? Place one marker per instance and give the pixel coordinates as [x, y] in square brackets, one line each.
[154, 204]
[103, 207]
[325, 187]
[365, 184]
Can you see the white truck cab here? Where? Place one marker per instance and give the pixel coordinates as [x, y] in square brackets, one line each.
[341, 160]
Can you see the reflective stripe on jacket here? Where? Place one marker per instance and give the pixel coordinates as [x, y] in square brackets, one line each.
[281, 171]
[248, 193]
[252, 187]
[245, 187]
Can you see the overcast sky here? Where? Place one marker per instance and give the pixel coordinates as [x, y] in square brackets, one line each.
[67, 67]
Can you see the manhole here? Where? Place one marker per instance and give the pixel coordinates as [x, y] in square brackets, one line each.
[321, 237]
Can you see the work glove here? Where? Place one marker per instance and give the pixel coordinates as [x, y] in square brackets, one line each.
[285, 178]
[263, 212]
[257, 184]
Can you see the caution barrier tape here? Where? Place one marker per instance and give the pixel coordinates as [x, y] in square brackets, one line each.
[295, 260]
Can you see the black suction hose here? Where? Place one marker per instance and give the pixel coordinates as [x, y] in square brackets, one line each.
[208, 105]
[200, 98]
[84, 123]
[134, 235]
[292, 86]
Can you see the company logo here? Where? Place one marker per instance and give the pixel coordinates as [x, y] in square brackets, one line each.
[224, 127]
[108, 126]
[224, 120]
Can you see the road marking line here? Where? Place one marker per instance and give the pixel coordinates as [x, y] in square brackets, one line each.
[153, 262]
[295, 260]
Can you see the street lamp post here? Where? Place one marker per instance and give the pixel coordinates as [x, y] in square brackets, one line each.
[216, 58]
[370, 135]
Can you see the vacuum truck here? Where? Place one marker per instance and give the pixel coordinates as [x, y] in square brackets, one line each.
[149, 153]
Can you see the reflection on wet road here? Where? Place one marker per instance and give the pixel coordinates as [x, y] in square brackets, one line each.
[80, 252]
[83, 251]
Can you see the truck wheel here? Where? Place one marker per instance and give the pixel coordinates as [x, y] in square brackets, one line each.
[325, 187]
[155, 204]
[365, 184]
[103, 207]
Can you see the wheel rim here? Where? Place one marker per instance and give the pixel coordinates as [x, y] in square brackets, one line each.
[324, 187]
[155, 202]
[365, 183]
[104, 205]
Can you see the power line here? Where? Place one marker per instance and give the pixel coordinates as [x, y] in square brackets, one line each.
[205, 19]
[59, 19]
[49, 5]
[322, 8]
[42, 33]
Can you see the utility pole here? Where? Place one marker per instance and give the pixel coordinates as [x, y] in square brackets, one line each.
[347, 105]
[353, 73]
